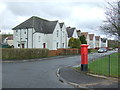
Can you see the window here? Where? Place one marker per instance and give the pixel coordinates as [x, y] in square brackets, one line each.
[18, 45]
[63, 45]
[39, 38]
[57, 33]
[16, 32]
[25, 32]
[57, 44]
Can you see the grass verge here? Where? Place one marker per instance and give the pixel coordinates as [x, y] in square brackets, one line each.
[107, 66]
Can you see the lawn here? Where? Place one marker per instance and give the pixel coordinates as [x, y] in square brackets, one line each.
[104, 66]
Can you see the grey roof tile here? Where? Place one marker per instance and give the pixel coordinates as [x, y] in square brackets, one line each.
[70, 31]
[39, 24]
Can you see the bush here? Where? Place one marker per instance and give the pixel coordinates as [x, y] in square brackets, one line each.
[92, 50]
[74, 43]
[17, 54]
[89, 50]
[83, 39]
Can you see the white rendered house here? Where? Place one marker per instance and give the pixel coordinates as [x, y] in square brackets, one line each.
[91, 41]
[64, 35]
[97, 42]
[104, 42]
[72, 32]
[39, 33]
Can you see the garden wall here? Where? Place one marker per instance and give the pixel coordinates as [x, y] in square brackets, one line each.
[18, 54]
[62, 51]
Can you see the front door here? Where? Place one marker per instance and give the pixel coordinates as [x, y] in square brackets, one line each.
[44, 45]
[22, 45]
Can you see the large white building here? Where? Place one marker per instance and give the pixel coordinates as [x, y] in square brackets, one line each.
[64, 36]
[104, 42]
[36, 32]
[91, 41]
[98, 42]
[40, 33]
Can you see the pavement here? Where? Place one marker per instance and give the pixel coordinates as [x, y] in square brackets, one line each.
[82, 80]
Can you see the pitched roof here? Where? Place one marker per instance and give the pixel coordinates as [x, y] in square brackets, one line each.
[78, 32]
[97, 37]
[70, 31]
[39, 24]
[91, 36]
[10, 38]
[61, 25]
[85, 34]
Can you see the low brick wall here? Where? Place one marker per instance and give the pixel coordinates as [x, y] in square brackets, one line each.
[52, 53]
[62, 51]
[69, 51]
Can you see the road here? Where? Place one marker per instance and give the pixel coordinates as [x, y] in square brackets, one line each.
[39, 74]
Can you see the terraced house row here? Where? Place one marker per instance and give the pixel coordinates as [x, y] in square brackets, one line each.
[41, 33]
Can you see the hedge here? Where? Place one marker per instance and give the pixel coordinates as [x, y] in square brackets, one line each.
[92, 50]
[21, 53]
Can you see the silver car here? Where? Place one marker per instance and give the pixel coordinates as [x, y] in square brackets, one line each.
[102, 50]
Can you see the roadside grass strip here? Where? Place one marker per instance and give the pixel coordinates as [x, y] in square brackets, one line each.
[107, 66]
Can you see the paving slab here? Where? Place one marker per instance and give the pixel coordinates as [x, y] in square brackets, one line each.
[86, 81]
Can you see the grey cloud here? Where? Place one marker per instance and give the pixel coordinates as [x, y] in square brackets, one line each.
[41, 9]
[88, 4]
[58, 11]
[86, 23]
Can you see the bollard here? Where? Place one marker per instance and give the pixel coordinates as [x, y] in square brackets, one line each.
[84, 57]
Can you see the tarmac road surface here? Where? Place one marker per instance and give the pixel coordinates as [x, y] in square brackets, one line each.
[39, 74]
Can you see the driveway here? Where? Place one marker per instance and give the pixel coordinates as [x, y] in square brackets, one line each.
[39, 74]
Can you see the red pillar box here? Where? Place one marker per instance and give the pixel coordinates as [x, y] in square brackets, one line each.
[84, 57]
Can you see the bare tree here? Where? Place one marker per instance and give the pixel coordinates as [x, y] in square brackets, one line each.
[112, 23]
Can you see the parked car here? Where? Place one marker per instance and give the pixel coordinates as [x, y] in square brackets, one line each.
[102, 50]
[116, 49]
[110, 48]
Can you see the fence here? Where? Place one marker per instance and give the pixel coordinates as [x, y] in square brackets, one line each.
[107, 66]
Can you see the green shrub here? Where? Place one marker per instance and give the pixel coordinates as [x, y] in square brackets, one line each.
[92, 50]
[17, 54]
[74, 43]
[89, 50]
[83, 39]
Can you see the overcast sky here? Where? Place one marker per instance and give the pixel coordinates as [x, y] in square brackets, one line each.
[85, 15]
